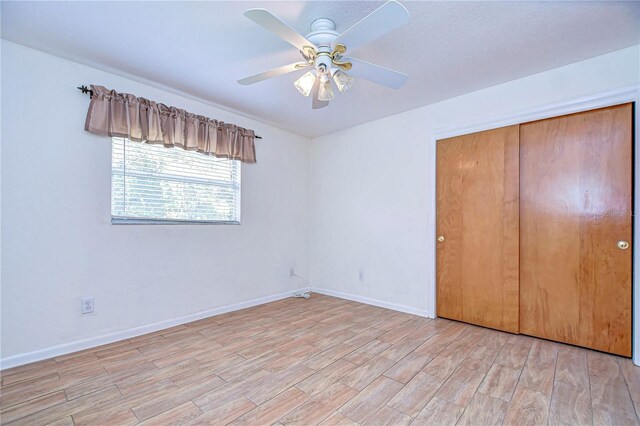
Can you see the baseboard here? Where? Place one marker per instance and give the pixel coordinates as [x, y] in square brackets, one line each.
[78, 345]
[374, 302]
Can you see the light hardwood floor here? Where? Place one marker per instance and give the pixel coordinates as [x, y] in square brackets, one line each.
[324, 361]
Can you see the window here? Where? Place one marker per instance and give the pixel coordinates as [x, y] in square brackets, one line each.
[154, 184]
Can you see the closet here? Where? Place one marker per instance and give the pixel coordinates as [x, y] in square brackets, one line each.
[534, 228]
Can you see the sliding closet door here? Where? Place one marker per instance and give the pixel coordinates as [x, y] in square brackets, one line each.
[477, 225]
[575, 229]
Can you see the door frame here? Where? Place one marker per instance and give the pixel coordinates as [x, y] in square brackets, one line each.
[570, 106]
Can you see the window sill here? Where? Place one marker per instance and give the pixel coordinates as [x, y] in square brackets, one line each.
[121, 221]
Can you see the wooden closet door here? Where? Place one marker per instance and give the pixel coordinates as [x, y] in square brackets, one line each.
[575, 206]
[477, 218]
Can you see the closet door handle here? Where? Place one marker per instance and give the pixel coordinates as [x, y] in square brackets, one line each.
[440, 238]
[623, 245]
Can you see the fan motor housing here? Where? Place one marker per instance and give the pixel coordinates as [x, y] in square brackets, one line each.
[323, 33]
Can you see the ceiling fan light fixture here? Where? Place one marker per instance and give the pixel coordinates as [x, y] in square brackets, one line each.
[325, 91]
[343, 80]
[305, 83]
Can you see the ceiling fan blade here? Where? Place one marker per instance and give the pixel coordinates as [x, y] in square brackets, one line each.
[384, 19]
[376, 73]
[279, 28]
[273, 73]
[315, 102]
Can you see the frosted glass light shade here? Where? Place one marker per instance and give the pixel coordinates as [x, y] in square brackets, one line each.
[343, 81]
[305, 83]
[325, 92]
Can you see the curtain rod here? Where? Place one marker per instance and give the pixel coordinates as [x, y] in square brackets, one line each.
[84, 89]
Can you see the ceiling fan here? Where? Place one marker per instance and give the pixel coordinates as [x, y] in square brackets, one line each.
[329, 52]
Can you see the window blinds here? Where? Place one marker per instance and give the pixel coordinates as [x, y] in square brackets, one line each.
[151, 183]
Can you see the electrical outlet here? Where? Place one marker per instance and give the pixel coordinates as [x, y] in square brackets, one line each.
[361, 274]
[86, 306]
[292, 272]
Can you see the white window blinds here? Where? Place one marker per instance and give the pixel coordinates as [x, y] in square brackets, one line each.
[151, 183]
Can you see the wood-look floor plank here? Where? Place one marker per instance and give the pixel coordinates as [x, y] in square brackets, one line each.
[412, 398]
[153, 407]
[393, 321]
[387, 416]
[402, 348]
[514, 353]
[632, 377]
[360, 378]
[320, 406]
[66, 421]
[484, 410]
[366, 352]
[540, 368]
[122, 416]
[398, 333]
[436, 343]
[120, 406]
[179, 415]
[446, 362]
[29, 372]
[610, 399]
[324, 358]
[364, 406]
[17, 393]
[571, 366]
[460, 387]
[337, 419]
[500, 382]
[272, 386]
[31, 406]
[225, 414]
[364, 337]
[95, 400]
[274, 409]
[570, 405]
[439, 412]
[406, 369]
[528, 408]
[483, 356]
[326, 377]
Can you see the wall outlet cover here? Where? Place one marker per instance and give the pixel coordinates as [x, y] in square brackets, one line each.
[86, 306]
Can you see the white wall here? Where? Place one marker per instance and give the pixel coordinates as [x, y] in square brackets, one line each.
[58, 242]
[373, 185]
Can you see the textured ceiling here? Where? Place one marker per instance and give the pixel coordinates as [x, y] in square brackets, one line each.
[202, 48]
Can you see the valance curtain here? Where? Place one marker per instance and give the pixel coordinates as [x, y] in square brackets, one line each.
[139, 119]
